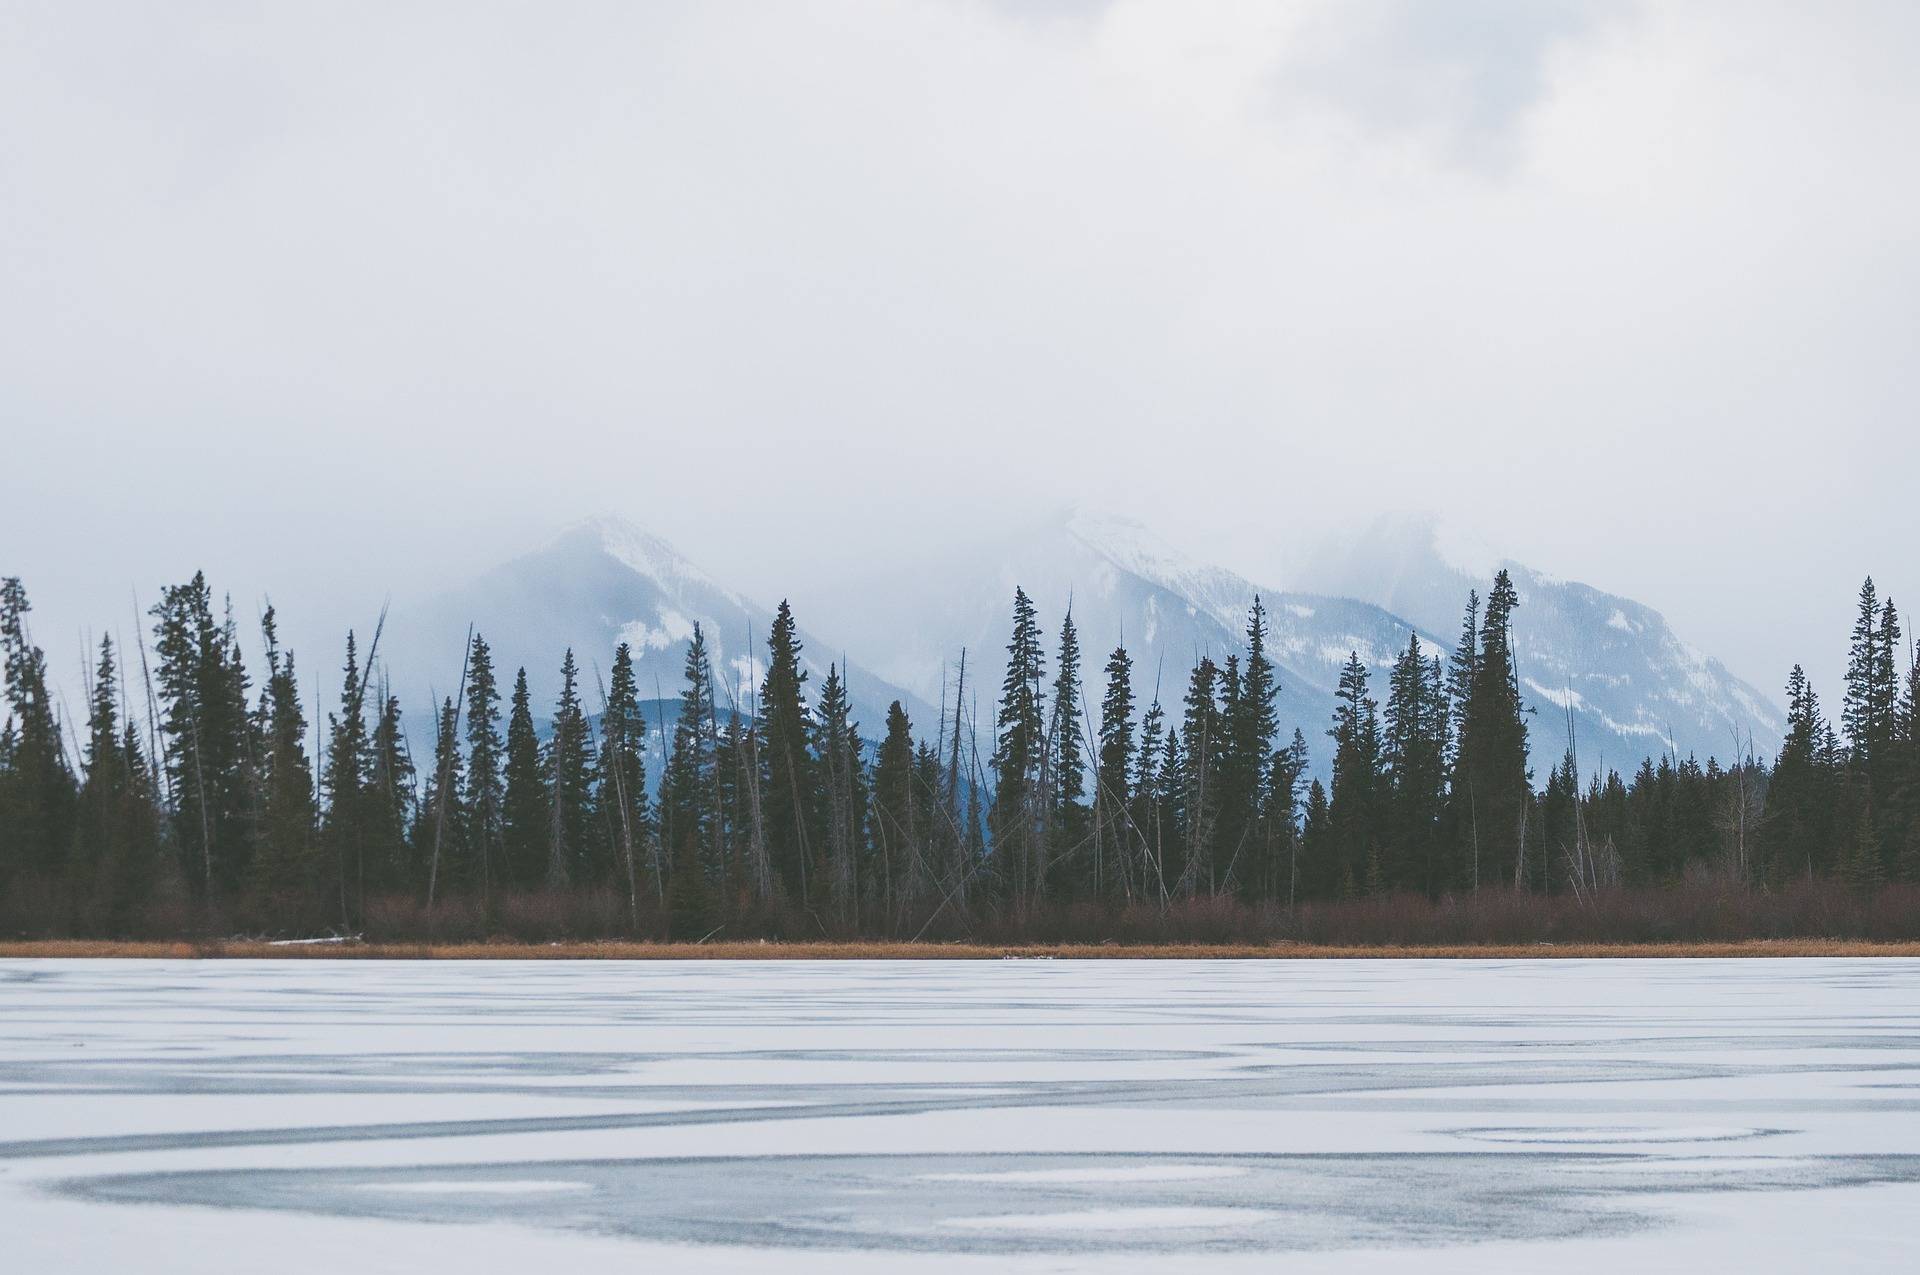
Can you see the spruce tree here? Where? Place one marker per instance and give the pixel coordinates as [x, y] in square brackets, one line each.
[1202, 741]
[791, 807]
[689, 821]
[440, 848]
[1354, 806]
[570, 766]
[1414, 761]
[1018, 755]
[1146, 809]
[1250, 725]
[1277, 870]
[898, 856]
[485, 795]
[389, 854]
[1860, 710]
[288, 871]
[116, 847]
[525, 804]
[1492, 790]
[623, 780]
[1319, 861]
[1067, 768]
[843, 785]
[1797, 829]
[203, 689]
[1113, 780]
[37, 791]
[348, 822]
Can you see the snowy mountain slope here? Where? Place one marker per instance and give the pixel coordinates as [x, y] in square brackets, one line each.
[1126, 587]
[1634, 686]
[595, 585]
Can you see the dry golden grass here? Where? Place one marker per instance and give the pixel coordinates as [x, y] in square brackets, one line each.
[229, 949]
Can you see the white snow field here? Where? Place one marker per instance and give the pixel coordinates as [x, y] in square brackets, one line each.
[1027, 1116]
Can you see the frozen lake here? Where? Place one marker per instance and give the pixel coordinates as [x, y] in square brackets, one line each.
[1110, 1116]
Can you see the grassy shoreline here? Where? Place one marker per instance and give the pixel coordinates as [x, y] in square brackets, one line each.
[256, 949]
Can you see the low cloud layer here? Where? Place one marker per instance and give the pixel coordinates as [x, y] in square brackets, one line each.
[338, 300]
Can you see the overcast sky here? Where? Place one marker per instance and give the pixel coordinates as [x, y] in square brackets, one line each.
[341, 299]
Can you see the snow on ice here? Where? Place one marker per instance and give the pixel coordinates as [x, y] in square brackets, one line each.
[1113, 1116]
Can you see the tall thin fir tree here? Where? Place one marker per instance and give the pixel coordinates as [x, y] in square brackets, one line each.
[1857, 712]
[623, 782]
[1113, 783]
[202, 685]
[525, 803]
[791, 808]
[1067, 817]
[442, 860]
[485, 794]
[351, 816]
[1018, 756]
[115, 854]
[37, 789]
[1201, 742]
[392, 861]
[688, 820]
[837, 749]
[898, 875]
[570, 766]
[1353, 808]
[288, 870]
[1251, 726]
[1147, 807]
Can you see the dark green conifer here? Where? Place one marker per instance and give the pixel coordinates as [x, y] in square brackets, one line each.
[791, 806]
[1018, 755]
[525, 807]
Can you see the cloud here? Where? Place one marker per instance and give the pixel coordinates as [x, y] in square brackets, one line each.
[340, 301]
[1465, 73]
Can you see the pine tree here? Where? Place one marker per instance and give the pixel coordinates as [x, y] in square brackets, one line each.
[391, 795]
[1113, 776]
[898, 855]
[485, 794]
[1202, 740]
[37, 791]
[623, 780]
[1147, 809]
[203, 689]
[1319, 861]
[1278, 867]
[116, 846]
[440, 847]
[843, 784]
[1414, 759]
[1250, 725]
[1018, 754]
[1492, 789]
[1067, 768]
[1797, 830]
[689, 821]
[289, 872]
[349, 821]
[1354, 807]
[791, 808]
[570, 765]
[1860, 711]
[525, 805]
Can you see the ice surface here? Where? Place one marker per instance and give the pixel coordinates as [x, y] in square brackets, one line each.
[1110, 1116]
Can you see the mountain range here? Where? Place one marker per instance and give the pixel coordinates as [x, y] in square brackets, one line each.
[1630, 685]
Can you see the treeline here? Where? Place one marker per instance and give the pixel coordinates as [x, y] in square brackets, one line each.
[195, 799]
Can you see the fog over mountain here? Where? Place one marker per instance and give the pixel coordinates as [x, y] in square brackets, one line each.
[341, 311]
[1633, 686]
